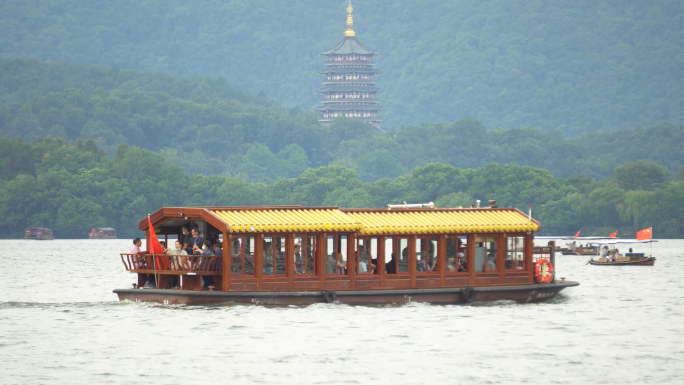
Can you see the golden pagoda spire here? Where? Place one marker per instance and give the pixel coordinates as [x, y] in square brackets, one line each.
[350, 22]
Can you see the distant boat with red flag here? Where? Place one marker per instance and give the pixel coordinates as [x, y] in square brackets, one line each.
[609, 254]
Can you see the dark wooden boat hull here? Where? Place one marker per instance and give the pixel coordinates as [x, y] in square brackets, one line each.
[643, 262]
[518, 293]
[578, 252]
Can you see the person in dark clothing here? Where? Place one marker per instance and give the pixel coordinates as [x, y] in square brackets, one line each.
[391, 266]
[198, 241]
[187, 239]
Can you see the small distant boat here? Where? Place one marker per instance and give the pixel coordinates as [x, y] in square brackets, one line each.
[629, 259]
[582, 250]
[637, 259]
[590, 248]
[38, 233]
[102, 233]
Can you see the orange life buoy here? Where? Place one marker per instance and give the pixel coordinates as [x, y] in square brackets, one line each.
[543, 270]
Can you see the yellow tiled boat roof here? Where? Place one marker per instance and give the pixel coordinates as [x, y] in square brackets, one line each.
[287, 220]
[443, 221]
[376, 222]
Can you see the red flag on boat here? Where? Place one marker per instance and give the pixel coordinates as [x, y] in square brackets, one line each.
[613, 235]
[155, 247]
[644, 234]
[577, 235]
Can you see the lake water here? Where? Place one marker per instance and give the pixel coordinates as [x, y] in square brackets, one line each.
[60, 323]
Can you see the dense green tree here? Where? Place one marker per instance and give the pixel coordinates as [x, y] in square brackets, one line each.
[679, 176]
[78, 215]
[455, 199]
[202, 126]
[640, 175]
[576, 66]
[75, 188]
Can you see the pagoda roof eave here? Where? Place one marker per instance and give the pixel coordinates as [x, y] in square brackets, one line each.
[350, 107]
[349, 88]
[349, 45]
[347, 70]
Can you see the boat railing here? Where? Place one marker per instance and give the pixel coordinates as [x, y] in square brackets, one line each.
[542, 252]
[172, 264]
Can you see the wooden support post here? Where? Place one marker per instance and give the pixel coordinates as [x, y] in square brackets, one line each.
[471, 257]
[412, 258]
[227, 260]
[381, 259]
[352, 257]
[552, 244]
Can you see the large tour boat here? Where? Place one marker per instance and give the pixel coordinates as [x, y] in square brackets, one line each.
[38, 233]
[293, 255]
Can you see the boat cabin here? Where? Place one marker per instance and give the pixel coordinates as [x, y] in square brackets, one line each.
[102, 233]
[38, 233]
[294, 248]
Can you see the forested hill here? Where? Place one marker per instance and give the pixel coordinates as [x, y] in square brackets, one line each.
[73, 188]
[577, 66]
[207, 127]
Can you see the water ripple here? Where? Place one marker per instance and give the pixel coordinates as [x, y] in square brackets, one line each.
[620, 326]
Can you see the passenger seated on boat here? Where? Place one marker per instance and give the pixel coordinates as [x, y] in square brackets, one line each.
[138, 261]
[341, 264]
[491, 263]
[268, 259]
[451, 263]
[364, 266]
[420, 265]
[604, 252]
[297, 259]
[330, 264]
[616, 255]
[178, 262]
[611, 256]
[391, 266]
[462, 262]
[218, 262]
[280, 262]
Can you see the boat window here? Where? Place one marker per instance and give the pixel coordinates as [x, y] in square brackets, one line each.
[426, 256]
[336, 254]
[242, 254]
[367, 255]
[304, 253]
[274, 262]
[485, 254]
[515, 253]
[403, 263]
[457, 254]
[397, 264]
[389, 256]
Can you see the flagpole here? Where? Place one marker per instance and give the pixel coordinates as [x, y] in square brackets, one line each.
[154, 258]
[651, 247]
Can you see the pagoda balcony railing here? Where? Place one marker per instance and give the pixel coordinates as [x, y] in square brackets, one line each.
[356, 97]
[329, 119]
[364, 63]
[345, 102]
[351, 82]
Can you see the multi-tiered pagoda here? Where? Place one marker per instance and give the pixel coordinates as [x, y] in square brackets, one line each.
[349, 87]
